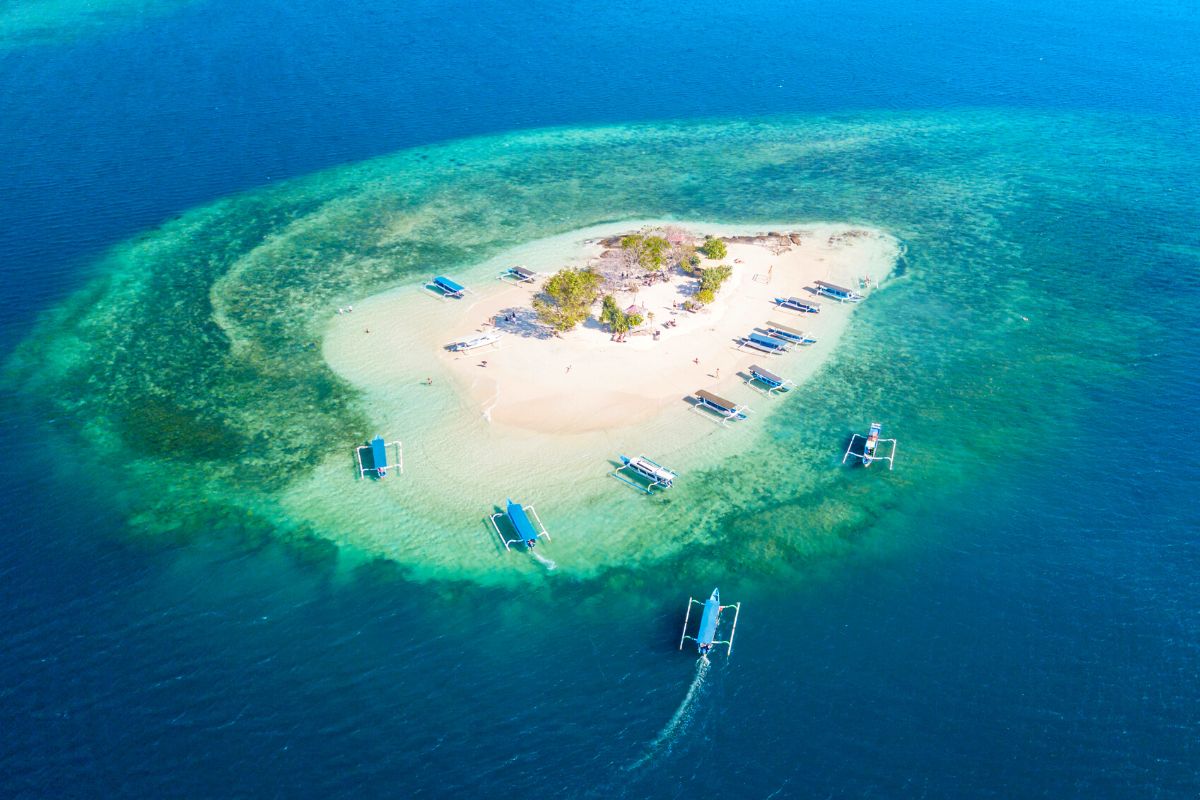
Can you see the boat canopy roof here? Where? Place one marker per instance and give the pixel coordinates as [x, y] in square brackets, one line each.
[520, 521]
[833, 287]
[522, 272]
[765, 374]
[768, 341]
[775, 326]
[800, 301]
[379, 452]
[709, 620]
[715, 400]
[446, 283]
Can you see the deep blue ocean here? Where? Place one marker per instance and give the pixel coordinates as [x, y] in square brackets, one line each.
[1031, 628]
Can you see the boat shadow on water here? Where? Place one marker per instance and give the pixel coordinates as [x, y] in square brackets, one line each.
[855, 453]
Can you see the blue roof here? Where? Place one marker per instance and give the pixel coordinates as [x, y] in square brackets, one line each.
[768, 341]
[709, 620]
[520, 521]
[447, 284]
[379, 452]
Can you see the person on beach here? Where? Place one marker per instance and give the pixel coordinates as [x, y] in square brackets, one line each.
[696, 361]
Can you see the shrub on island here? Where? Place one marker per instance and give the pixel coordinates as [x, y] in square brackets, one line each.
[710, 282]
[617, 320]
[713, 248]
[646, 251]
[566, 299]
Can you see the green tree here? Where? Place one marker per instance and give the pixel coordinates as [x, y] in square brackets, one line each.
[714, 248]
[566, 299]
[654, 253]
[710, 282]
[609, 311]
[616, 319]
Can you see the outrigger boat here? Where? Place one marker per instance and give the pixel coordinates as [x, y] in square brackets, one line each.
[518, 518]
[710, 621]
[472, 342]
[797, 304]
[658, 475]
[518, 275]
[773, 382]
[447, 287]
[790, 334]
[726, 409]
[378, 449]
[839, 293]
[871, 447]
[765, 344]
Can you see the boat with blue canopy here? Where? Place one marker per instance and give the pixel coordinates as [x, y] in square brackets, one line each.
[381, 455]
[710, 623]
[765, 344]
[447, 287]
[519, 520]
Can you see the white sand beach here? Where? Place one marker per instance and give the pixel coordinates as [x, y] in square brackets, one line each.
[547, 416]
[584, 381]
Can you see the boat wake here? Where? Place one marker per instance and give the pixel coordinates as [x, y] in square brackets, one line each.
[548, 563]
[679, 722]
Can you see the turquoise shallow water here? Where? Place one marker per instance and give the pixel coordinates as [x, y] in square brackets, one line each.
[1010, 613]
[191, 370]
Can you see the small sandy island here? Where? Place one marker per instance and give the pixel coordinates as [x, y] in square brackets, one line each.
[547, 417]
[586, 379]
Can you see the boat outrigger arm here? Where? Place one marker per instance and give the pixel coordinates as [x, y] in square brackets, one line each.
[871, 448]
[521, 525]
[658, 475]
[379, 457]
[710, 620]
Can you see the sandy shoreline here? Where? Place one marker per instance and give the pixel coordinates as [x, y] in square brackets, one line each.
[583, 381]
[526, 427]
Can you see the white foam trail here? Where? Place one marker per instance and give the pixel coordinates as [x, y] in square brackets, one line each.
[549, 563]
[679, 722]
